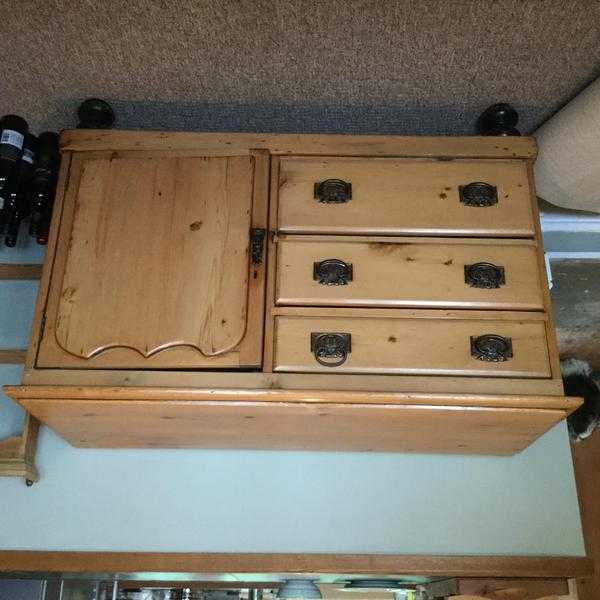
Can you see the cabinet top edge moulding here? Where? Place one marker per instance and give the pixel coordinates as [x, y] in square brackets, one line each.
[223, 144]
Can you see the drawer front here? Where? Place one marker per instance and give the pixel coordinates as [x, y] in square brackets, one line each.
[405, 272]
[398, 345]
[293, 426]
[404, 196]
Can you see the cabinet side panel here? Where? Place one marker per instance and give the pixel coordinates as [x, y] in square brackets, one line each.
[66, 168]
[550, 326]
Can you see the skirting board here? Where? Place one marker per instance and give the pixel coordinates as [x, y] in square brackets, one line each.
[367, 564]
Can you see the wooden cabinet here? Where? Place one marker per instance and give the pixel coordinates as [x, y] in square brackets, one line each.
[289, 291]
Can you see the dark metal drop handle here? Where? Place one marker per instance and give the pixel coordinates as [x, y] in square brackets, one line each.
[332, 271]
[491, 347]
[478, 193]
[331, 349]
[333, 191]
[484, 275]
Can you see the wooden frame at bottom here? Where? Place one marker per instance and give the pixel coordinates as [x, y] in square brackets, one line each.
[17, 453]
[101, 417]
[367, 564]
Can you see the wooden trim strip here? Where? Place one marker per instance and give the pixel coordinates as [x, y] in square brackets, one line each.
[10, 448]
[14, 271]
[368, 564]
[407, 240]
[148, 394]
[409, 313]
[228, 144]
[17, 453]
[297, 381]
[550, 326]
[12, 357]
[523, 589]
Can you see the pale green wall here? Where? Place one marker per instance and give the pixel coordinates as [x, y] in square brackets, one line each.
[192, 501]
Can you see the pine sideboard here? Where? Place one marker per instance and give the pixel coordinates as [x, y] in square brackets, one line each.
[280, 291]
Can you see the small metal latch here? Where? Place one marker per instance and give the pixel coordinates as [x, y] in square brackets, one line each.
[257, 243]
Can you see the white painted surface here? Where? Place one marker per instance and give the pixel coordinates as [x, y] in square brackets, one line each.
[571, 222]
[231, 501]
[17, 299]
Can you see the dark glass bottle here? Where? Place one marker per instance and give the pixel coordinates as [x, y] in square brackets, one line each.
[17, 206]
[12, 136]
[43, 185]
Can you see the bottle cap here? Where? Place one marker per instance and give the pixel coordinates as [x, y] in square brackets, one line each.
[15, 123]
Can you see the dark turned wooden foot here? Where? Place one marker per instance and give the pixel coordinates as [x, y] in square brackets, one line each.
[94, 113]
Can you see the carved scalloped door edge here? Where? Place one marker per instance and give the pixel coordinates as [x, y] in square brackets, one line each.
[192, 216]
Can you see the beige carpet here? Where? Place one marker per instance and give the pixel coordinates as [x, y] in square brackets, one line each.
[413, 66]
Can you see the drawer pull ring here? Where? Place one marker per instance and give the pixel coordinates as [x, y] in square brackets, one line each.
[332, 271]
[484, 275]
[333, 191]
[330, 349]
[491, 347]
[478, 193]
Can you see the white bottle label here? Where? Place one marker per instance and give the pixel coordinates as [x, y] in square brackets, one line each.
[14, 138]
[28, 156]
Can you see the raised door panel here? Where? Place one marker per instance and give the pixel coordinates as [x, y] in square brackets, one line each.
[155, 273]
[385, 196]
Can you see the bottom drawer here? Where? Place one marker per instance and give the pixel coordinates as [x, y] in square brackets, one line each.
[403, 344]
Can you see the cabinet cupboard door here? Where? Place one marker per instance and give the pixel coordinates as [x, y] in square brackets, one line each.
[153, 264]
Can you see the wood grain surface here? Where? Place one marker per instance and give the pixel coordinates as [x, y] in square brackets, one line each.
[403, 196]
[405, 272]
[225, 144]
[156, 271]
[434, 346]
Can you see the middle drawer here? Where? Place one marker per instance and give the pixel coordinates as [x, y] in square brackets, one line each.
[408, 272]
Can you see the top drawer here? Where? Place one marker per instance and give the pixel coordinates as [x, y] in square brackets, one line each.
[390, 196]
